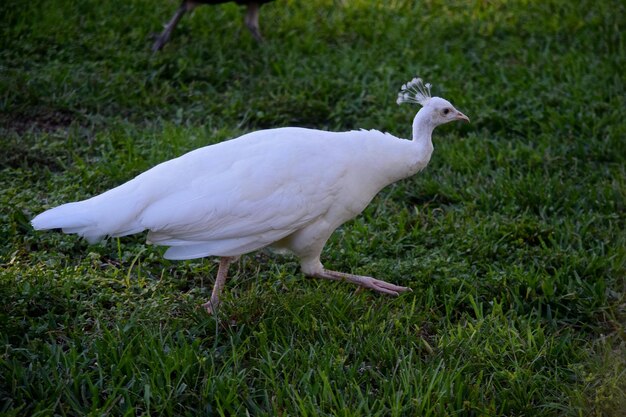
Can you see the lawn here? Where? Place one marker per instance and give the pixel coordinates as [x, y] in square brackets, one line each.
[513, 239]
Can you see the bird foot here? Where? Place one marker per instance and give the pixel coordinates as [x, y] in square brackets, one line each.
[211, 306]
[385, 287]
[160, 40]
[257, 36]
[363, 281]
[381, 286]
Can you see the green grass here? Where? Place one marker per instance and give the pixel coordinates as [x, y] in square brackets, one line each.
[513, 240]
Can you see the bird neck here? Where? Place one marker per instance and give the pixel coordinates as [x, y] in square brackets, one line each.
[422, 128]
[422, 138]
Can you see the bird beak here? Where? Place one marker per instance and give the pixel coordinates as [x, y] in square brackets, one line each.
[461, 116]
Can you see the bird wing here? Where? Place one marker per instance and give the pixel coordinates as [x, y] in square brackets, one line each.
[265, 194]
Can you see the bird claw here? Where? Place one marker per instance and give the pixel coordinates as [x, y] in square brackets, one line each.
[210, 306]
[159, 43]
[386, 287]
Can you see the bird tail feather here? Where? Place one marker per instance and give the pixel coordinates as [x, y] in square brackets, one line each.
[71, 218]
[85, 219]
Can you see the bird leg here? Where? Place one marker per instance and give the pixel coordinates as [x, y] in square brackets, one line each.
[220, 280]
[252, 20]
[363, 281]
[162, 39]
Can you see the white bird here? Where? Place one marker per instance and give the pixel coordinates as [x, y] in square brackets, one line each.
[288, 188]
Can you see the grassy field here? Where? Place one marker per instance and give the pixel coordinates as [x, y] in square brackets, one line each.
[513, 239]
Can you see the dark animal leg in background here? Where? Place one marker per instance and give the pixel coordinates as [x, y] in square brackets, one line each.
[252, 20]
[162, 39]
[220, 280]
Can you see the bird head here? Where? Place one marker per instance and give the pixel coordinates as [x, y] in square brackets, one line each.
[437, 109]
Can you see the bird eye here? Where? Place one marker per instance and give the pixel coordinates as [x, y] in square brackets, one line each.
[446, 111]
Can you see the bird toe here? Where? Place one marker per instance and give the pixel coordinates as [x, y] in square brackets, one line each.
[210, 307]
[385, 290]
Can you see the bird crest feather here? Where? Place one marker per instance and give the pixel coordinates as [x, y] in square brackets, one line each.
[415, 91]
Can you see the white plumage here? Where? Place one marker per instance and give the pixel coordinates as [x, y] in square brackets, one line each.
[289, 188]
